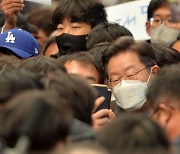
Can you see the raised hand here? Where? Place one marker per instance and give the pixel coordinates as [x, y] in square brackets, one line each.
[101, 117]
[11, 8]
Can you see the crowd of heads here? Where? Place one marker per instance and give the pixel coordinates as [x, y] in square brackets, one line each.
[49, 70]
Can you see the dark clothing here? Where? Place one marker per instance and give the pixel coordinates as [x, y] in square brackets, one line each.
[81, 131]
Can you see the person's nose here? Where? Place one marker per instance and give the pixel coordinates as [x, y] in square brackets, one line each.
[68, 30]
[163, 21]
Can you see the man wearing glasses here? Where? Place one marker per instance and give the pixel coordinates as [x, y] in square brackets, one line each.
[164, 96]
[160, 24]
[130, 66]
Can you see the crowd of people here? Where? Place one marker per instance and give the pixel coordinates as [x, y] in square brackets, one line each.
[50, 61]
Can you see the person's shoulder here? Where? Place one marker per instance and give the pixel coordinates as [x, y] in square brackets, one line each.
[81, 131]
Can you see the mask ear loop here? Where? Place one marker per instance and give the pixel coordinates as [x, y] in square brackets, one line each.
[109, 83]
[149, 76]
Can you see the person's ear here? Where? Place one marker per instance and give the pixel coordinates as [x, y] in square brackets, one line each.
[148, 28]
[155, 69]
[165, 114]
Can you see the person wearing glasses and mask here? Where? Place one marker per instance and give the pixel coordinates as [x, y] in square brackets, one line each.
[160, 25]
[130, 66]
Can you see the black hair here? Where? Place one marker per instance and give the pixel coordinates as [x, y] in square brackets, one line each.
[97, 51]
[165, 85]
[106, 32]
[133, 132]
[42, 64]
[79, 94]
[8, 61]
[154, 5]
[42, 116]
[13, 81]
[165, 55]
[83, 58]
[142, 48]
[89, 11]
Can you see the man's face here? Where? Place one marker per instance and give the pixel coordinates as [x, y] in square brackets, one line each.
[125, 64]
[88, 71]
[73, 28]
[162, 14]
[167, 114]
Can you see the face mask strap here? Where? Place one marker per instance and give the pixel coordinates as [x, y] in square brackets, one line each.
[149, 76]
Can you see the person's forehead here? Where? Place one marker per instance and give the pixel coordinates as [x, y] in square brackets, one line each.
[123, 62]
[76, 66]
[125, 57]
[70, 20]
[162, 12]
[85, 70]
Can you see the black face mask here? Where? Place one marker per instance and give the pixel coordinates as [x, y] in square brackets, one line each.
[68, 43]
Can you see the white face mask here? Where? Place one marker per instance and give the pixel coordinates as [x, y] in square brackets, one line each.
[164, 35]
[130, 95]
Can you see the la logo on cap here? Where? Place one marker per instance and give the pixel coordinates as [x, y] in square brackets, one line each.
[10, 38]
[20, 42]
[36, 50]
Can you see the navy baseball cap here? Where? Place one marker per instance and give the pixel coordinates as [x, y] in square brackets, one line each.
[20, 42]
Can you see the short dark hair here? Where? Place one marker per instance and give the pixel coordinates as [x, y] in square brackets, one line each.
[165, 85]
[165, 55]
[106, 32]
[42, 64]
[122, 44]
[80, 95]
[8, 61]
[154, 5]
[42, 116]
[83, 58]
[18, 80]
[97, 51]
[132, 132]
[89, 11]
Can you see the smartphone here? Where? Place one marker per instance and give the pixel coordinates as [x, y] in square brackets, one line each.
[104, 91]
